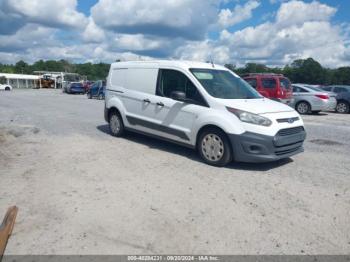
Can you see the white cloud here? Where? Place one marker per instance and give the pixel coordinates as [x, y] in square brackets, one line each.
[172, 18]
[136, 42]
[203, 51]
[238, 14]
[31, 35]
[178, 29]
[92, 33]
[300, 30]
[298, 12]
[53, 13]
[93, 53]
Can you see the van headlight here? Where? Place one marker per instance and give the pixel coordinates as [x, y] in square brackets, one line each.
[250, 117]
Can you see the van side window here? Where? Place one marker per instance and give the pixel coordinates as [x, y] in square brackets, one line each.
[172, 80]
[252, 82]
[269, 83]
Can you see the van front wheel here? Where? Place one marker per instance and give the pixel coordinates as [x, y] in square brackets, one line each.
[214, 147]
[116, 125]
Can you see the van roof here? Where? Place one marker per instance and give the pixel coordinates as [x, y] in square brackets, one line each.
[183, 64]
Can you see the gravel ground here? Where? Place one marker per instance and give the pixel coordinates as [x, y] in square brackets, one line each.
[81, 191]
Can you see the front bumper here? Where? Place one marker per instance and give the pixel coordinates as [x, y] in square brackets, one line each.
[256, 148]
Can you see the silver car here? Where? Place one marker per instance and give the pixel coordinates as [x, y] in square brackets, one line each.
[312, 99]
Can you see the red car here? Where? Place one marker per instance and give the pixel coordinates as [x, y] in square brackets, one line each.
[274, 86]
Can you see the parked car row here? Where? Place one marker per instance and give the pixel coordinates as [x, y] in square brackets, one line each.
[343, 97]
[304, 98]
[91, 89]
[311, 99]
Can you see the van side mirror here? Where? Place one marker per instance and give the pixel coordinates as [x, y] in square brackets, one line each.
[178, 95]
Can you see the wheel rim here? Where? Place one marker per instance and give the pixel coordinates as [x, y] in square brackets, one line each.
[303, 108]
[212, 147]
[115, 124]
[341, 108]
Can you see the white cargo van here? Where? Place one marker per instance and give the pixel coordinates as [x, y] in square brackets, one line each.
[202, 106]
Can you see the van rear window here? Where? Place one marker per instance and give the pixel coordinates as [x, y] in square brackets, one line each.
[285, 84]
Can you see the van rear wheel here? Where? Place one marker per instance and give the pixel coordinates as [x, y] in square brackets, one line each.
[214, 147]
[116, 125]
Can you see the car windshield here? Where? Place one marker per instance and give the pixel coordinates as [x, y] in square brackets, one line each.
[223, 84]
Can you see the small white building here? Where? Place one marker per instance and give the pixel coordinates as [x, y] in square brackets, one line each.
[21, 81]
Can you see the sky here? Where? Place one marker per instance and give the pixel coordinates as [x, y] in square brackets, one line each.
[273, 32]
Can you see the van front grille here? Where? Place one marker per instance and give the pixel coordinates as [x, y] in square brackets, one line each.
[288, 120]
[288, 151]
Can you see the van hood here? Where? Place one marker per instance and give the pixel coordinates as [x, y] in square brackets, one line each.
[257, 106]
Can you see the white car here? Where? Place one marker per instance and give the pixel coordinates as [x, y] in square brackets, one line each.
[5, 87]
[202, 106]
[312, 99]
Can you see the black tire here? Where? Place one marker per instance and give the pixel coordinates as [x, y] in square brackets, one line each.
[303, 108]
[214, 147]
[342, 107]
[7, 89]
[116, 125]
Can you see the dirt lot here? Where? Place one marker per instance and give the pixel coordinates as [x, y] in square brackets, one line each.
[81, 191]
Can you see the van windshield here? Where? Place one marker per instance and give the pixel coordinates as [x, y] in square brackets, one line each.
[223, 84]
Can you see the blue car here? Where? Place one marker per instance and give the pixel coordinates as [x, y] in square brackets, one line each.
[97, 90]
[75, 88]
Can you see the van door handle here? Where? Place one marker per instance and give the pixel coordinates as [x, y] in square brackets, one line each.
[146, 100]
[160, 104]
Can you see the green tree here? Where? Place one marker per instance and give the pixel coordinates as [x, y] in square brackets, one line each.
[22, 67]
[306, 71]
[341, 76]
